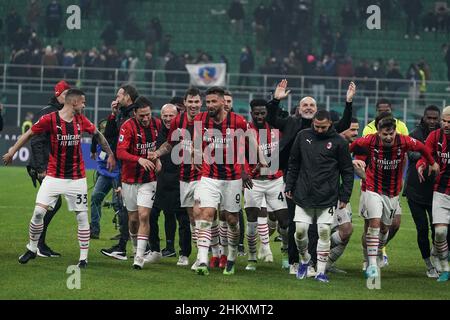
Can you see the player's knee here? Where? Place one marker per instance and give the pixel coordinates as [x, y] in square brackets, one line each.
[301, 230]
[324, 231]
[345, 231]
[39, 213]
[440, 233]
[97, 198]
[252, 214]
[82, 219]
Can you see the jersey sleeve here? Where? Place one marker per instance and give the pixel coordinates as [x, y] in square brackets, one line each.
[88, 126]
[361, 146]
[42, 125]
[123, 144]
[415, 145]
[430, 144]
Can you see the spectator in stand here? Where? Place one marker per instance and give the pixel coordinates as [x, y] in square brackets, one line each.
[394, 74]
[442, 19]
[413, 10]
[341, 45]
[149, 63]
[324, 24]
[164, 46]
[259, 26]
[344, 68]
[109, 35]
[49, 61]
[85, 6]
[237, 15]
[34, 14]
[276, 20]
[429, 22]
[349, 19]
[53, 18]
[446, 51]
[13, 23]
[246, 66]
[362, 71]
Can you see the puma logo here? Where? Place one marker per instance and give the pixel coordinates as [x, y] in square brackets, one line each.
[375, 150]
[58, 127]
[440, 144]
[140, 136]
[309, 141]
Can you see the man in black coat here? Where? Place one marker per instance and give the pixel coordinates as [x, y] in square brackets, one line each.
[168, 199]
[319, 159]
[289, 126]
[420, 195]
[37, 167]
[122, 109]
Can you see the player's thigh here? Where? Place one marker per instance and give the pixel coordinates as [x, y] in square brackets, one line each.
[326, 215]
[129, 195]
[374, 205]
[254, 197]
[146, 194]
[390, 207]
[275, 195]
[304, 215]
[76, 195]
[231, 191]
[362, 205]
[49, 191]
[187, 190]
[441, 208]
[207, 193]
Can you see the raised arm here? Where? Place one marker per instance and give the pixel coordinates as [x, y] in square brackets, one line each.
[346, 119]
[274, 117]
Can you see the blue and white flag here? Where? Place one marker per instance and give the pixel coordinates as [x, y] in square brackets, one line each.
[207, 75]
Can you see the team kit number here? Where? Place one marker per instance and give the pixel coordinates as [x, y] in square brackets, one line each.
[82, 198]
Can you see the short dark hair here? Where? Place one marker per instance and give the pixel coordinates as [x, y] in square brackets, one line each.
[385, 120]
[72, 93]
[432, 108]
[131, 91]
[322, 115]
[215, 90]
[228, 93]
[192, 91]
[354, 120]
[142, 102]
[383, 101]
[258, 103]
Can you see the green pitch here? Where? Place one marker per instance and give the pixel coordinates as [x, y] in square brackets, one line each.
[106, 278]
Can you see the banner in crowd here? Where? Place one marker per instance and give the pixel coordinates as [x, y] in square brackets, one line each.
[10, 135]
[207, 75]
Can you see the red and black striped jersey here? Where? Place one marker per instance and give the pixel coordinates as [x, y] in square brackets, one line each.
[438, 143]
[221, 151]
[185, 129]
[266, 143]
[65, 160]
[384, 173]
[135, 141]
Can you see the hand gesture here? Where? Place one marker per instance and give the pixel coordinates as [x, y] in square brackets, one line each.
[351, 91]
[342, 205]
[280, 91]
[111, 163]
[288, 194]
[115, 107]
[146, 164]
[7, 158]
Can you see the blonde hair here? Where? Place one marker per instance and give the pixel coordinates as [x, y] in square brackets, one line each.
[446, 111]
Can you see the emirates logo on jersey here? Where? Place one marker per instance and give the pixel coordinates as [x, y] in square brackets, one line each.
[329, 145]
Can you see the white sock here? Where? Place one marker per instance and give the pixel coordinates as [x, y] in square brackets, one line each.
[36, 227]
[323, 246]
[440, 242]
[233, 241]
[142, 241]
[215, 239]
[301, 240]
[203, 240]
[251, 239]
[372, 241]
[263, 231]
[337, 248]
[84, 234]
[223, 235]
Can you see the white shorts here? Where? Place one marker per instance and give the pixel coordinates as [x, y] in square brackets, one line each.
[187, 190]
[441, 208]
[75, 192]
[270, 190]
[362, 204]
[342, 216]
[138, 194]
[325, 216]
[381, 207]
[212, 192]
